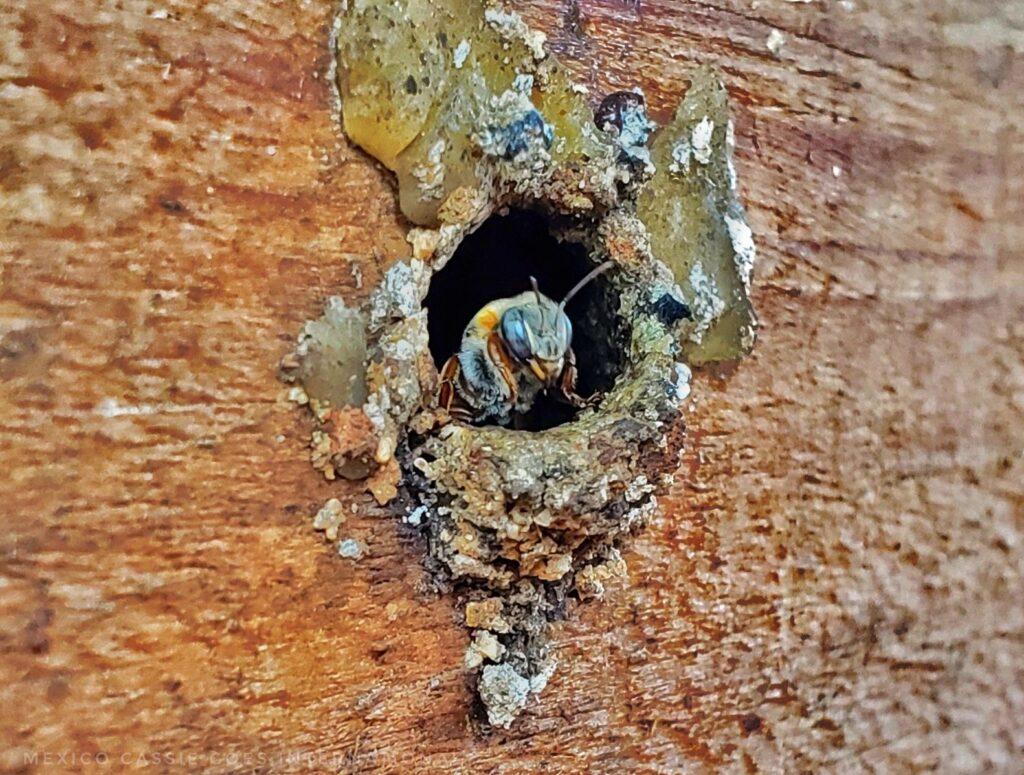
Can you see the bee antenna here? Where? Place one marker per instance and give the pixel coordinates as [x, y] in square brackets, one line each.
[582, 283]
[536, 289]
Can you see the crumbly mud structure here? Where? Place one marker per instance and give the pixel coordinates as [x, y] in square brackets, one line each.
[474, 117]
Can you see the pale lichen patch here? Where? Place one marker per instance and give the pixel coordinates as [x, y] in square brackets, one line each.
[430, 173]
[700, 140]
[743, 244]
[682, 152]
[460, 54]
[707, 303]
[511, 26]
[504, 693]
[350, 549]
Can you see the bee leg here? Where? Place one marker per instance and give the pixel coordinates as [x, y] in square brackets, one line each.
[567, 384]
[449, 376]
[496, 353]
[461, 414]
[448, 396]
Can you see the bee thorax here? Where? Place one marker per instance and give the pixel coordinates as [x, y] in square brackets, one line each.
[483, 386]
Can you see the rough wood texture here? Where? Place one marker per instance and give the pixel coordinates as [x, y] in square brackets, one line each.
[837, 578]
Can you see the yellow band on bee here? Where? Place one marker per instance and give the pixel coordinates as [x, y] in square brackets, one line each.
[487, 319]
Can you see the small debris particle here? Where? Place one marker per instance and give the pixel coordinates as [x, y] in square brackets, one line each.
[682, 152]
[424, 242]
[461, 54]
[415, 517]
[430, 174]
[462, 206]
[837, 171]
[682, 383]
[329, 519]
[518, 136]
[383, 485]
[523, 83]
[590, 581]
[483, 646]
[271, 150]
[398, 295]
[623, 114]
[396, 609]
[776, 40]
[614, 111]
[351, 442]
[487, 615]
[385, 450]
[751, 722]
[350, 549]
[539, 681]
[670, 310]
[320, 454]
[172, 205]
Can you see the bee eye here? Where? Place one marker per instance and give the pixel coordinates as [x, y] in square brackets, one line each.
[516, 335]
[565, 329]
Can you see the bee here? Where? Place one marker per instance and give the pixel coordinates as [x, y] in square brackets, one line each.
[512, 350]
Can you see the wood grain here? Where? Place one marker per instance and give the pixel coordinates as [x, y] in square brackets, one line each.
[836, 581]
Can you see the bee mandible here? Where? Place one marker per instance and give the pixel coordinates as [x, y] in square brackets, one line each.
[512, 350]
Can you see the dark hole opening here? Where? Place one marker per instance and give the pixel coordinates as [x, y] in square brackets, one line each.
[497, 261]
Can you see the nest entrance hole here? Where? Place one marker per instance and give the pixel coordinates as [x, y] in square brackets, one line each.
[496, 261]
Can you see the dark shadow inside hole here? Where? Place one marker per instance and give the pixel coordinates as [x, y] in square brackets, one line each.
[497, 261]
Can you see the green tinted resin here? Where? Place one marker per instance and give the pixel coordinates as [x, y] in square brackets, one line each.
[698, 227]
[430, 88]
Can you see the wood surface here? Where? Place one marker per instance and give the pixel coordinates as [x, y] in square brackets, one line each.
[836, 581]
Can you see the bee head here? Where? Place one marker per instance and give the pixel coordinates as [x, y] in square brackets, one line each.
[539, 333]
